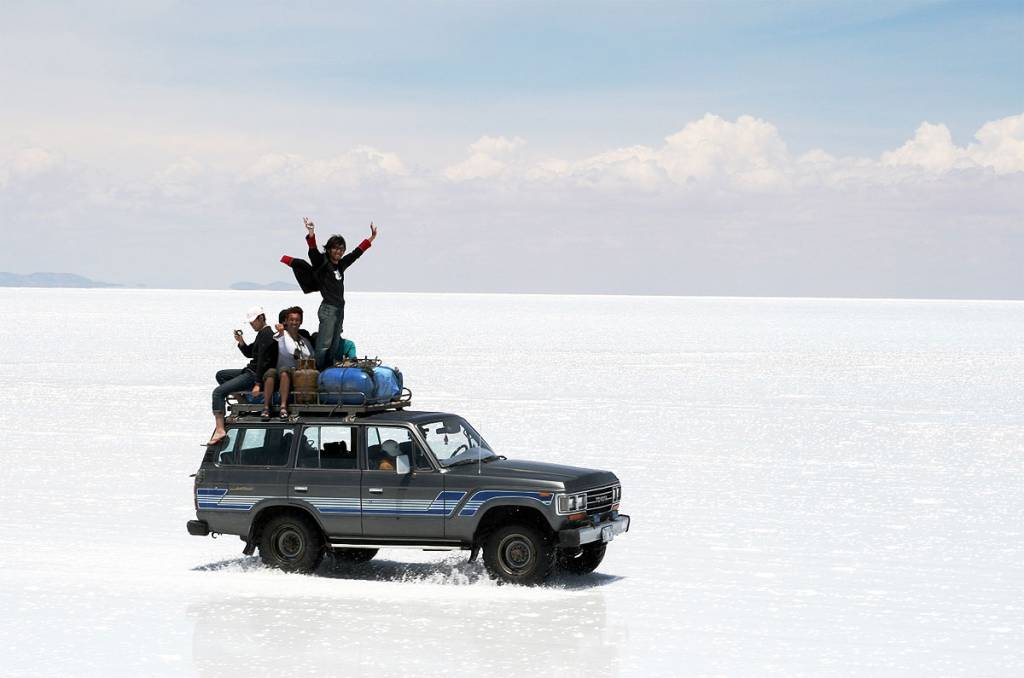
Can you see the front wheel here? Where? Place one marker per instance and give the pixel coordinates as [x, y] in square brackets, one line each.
[518, 554]
[585, 561]
[291, 544]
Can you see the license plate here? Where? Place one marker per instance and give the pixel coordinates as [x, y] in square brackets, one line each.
[608, 533]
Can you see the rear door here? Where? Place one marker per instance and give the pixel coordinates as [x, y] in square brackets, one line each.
[396, 506]
[251, 465]
[326, 477]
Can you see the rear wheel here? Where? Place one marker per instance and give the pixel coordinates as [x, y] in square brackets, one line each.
[585, 560]
[354, 555]
[292, 544]
[519, 554]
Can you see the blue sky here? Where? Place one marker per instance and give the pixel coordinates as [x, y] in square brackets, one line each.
[112, 99]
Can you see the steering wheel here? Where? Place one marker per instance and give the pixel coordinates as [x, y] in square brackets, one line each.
[458, 449]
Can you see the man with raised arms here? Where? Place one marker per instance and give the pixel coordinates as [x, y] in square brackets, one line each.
[326, 274]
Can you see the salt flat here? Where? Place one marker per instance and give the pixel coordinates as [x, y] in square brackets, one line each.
[817, 487]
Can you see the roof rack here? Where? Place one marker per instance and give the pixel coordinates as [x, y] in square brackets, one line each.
[240, 408]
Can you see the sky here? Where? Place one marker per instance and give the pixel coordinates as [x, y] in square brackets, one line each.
[720, 148]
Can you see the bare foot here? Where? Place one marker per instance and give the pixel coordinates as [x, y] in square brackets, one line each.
[217, 437]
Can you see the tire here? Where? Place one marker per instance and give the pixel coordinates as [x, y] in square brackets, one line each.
[353, 556]
[589, 558]
[292, 544]
[519, 554]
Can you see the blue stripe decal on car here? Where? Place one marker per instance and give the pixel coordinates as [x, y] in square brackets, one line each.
[220, 500]
[480, 498]
[442, 505]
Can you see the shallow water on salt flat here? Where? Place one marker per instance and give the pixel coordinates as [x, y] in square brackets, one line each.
[817, 486]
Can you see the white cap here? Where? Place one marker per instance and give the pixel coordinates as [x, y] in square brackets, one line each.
[253, 313]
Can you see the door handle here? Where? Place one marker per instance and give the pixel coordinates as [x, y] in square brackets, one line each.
[301, 488]
[376, 490]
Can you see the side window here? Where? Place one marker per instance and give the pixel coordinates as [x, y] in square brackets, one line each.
[225, 455]
[327, 447]
[264, 446]
[384, 444]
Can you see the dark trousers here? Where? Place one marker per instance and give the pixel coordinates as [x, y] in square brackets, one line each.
[230, 381]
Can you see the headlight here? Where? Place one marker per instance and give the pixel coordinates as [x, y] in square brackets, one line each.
[617, 493]
[571, 503]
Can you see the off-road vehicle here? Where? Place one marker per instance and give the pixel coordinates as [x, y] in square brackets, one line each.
[353, 479]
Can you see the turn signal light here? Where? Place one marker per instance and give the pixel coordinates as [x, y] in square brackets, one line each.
[578, 516]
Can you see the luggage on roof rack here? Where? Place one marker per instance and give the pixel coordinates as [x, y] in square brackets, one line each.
[359, 386]
[240, 405]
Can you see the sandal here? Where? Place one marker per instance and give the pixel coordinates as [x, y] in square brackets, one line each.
[283, 413]
[213, 441]
[265, 415]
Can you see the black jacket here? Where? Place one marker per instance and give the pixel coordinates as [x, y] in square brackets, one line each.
[330, 278]
[305, 276]
[318, 274]
[263, 351]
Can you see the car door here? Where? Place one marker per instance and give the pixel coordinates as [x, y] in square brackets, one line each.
[327, 477]
[251, 465]
[399, 505]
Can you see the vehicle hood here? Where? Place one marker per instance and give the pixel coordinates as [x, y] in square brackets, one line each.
[572, 477]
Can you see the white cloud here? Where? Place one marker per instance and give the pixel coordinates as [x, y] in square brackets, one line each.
[350, 169]
[931, 149]
[749, 151]
[749, 155]
[34, 161]
[489, 157]
[27, 163]
[1000, 146]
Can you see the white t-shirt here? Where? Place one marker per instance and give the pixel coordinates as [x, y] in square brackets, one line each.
[286, 347]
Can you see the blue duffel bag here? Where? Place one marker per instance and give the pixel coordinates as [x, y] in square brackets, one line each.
[360, 385]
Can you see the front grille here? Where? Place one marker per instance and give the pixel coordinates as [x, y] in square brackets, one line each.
[601, 499]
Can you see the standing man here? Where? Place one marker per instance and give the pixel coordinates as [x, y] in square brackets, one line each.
[263, 354]
[328, 276]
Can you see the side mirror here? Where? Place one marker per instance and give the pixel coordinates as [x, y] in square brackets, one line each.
[402, 464]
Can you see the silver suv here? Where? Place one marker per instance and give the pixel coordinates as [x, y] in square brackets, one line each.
[353, 481]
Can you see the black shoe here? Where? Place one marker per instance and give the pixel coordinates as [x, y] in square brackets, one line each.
[265, 415]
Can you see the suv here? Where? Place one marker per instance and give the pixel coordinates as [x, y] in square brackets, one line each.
[353, 481]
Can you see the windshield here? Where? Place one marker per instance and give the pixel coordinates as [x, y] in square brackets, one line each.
[452, 440]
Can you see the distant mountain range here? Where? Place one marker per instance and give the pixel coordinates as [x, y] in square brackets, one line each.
[74, 280]
[49, 280]
[276, 286]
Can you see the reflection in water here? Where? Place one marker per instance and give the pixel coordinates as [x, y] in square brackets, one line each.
[444, 629]
[454, 570]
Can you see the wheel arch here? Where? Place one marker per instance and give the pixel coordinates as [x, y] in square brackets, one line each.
[268, 513]
[508, 514]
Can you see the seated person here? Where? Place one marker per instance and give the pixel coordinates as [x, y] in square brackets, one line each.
[293, 344]
[263, 358]
[346, 351]
[389, 452]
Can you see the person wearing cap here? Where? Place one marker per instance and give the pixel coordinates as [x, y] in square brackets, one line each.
[263, 355]
[325, 273]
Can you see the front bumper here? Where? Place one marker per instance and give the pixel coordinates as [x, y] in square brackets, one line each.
[604, 532]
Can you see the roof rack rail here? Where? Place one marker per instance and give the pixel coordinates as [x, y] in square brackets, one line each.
[240, 407]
